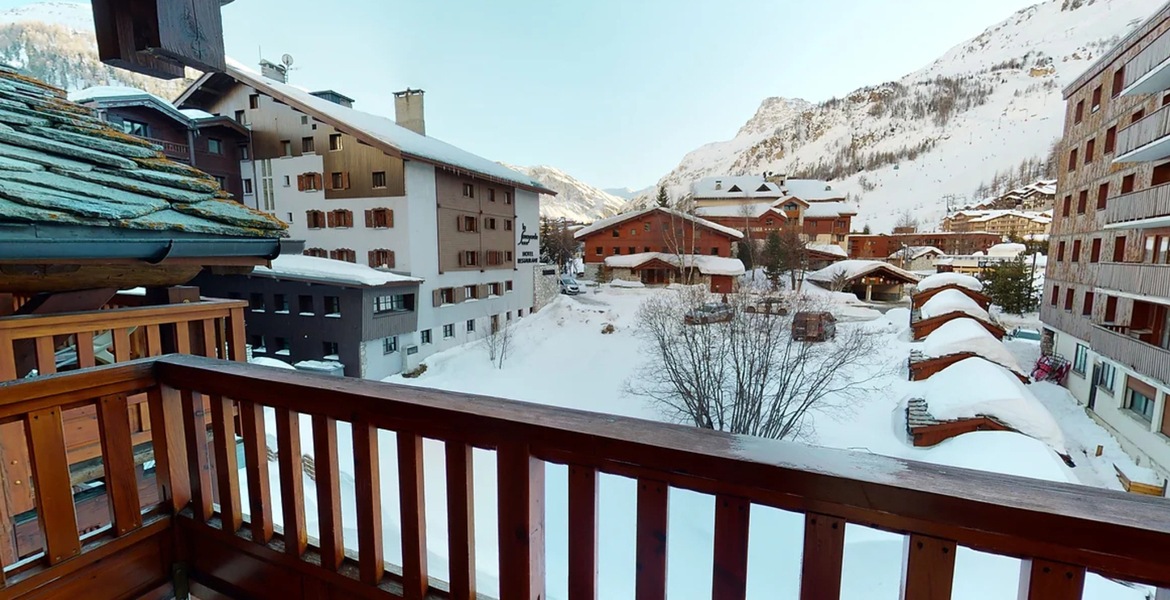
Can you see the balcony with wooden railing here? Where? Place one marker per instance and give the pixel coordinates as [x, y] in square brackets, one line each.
[200, 536]
[1145, 140]
[1126, 209]
[173, 150]
[1120, 344]
[1149, 71]
[1146, 279]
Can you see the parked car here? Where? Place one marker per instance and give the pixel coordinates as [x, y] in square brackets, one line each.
[768, 306]
[814, 326]
[1022, 333]
[709, 313]
[569, 286]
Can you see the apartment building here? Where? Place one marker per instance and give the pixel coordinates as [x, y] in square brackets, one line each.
[882, 245]
[1107, 290]
[1031, 225]
[366, 189]
[759, 205]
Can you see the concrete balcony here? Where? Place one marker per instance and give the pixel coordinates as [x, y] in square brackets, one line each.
[1149, 71]
[1142, 279]
[1142, 357]
[1145, 140]
[1142, 209]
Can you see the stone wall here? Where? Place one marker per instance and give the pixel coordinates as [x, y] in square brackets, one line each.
[546, 279]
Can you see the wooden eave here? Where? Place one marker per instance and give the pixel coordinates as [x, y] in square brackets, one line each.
[920, 324]
[917, 300]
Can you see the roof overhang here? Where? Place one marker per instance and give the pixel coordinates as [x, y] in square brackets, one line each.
[143, 100]
[46, 244]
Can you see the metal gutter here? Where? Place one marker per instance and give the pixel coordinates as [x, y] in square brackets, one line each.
[148, 250]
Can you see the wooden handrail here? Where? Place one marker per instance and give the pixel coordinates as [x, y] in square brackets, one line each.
[28, 326]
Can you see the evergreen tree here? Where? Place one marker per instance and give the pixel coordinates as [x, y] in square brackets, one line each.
[865, 229]
[773, 259]
[743, 252]
[1009, 284]
[662, 199]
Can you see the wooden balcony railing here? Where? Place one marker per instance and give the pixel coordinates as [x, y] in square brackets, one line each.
[1153, 126]
[1142, 204]
[1150, 57]
[1147, 279]
[173, 150]
[227, 549]
[1136, 354]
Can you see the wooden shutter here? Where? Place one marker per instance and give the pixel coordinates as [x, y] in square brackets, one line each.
[316, 180]
[301, 182]
[347, 216]
[459, 223]
[331, 219]
[436, 297]
[372, 258]
[482, 292]
[389, 217]
[459, 258]
[460, 294]
[333, 254]
[345, 180]
[369, 218]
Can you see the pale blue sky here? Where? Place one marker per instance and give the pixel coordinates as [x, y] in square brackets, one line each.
[614, 92]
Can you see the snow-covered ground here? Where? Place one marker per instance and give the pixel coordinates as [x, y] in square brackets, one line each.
[561, 357]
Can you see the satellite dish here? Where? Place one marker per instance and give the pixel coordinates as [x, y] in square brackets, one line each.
[287, 60]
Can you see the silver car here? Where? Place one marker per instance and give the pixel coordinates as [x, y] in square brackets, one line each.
[569, 286]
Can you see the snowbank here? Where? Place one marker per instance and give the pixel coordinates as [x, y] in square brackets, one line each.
[299, 266]
[622, 283]
[265, 361]
[853, 269]
[949, 301]
[967, 335]
[1003, 452]
[707, 265]
[944, 279]
[974, 387]
[1006, 250]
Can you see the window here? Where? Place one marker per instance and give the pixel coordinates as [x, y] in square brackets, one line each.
[508, 255]
[329, 350]
[646, 226]
[471, 292]
[332, 306]
[1127, 183]
[466, 223]
[257, 343]
[1089, 146]
[1140, 398]
[393, 303]
[1068, 299]
[307, 144]
[214, 146]
[339, 181]
[305, 304]
[379, 179]
[286, 181]
[380, 218]
[507, 224]
[345, 254]
[305, 120]
[1096, 99]
[470, 325]
[317, 252]
[254, 101]
[1087, 307]
[469, 258]
[616, 251]
[1119, 249]
[1110, 309]
[1110, 139]
[220, 181]
[491, 195]
[1076, 251]
[286, 147]
[508, 285]
[1118, 82]
[242, 150]
[447, 296]
[489, 223]
[632, 250]
[390, 345]
[247, 186]
[340, 217]
[1082, 201]
[495, 289]
[1080, 359]
[256, 302]
[315, 219]
[1060, 251]
[1067, 205]
[1095, 251]
[599, 251]
[280, 302]
[617, 233]
[1072, 160]
[507, 197]
[1079, 114]
[1161, 174]
[714, 251]
[137, 128]
[282, 346]
[1055, 295]
[771, 222]
[448, 331]
[424, 336]
[468, 190]
[240, 118]
[334, 142]
[1102, 196]
[381, 257]
[1106, 377]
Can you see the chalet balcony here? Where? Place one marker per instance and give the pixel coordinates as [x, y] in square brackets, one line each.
[196, 533]
[1120, 344]
[1149, 71]
[1143, 209]
[1146, 140]
[173, 150]
[1143, 279]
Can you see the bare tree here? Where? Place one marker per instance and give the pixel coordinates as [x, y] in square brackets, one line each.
[748, 246]
[907, 221]
[793, 255]
[557, 245]
[498, 341]
[747, 375]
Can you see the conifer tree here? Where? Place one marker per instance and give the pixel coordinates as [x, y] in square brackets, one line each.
[1009, 285]
[662, 199]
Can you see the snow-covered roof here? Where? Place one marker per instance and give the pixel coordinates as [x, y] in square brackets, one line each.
[299, 266]
[707, 265]
[811, 190]
[1009, 250]
[944, 279]
[753, 209]
[742, 186]
[976, 387]
[378, 130]
[949, 301]
[614, 220]
[319, 365]
[913, 252]
[852, 269]
[107, 94]
[828, 210]
[967, 335]
[270, 362]
[195, 114]
[833, 249]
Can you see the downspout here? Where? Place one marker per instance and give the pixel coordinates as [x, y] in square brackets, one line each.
[191, 145]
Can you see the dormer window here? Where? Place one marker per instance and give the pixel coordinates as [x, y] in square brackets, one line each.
[790, 206]
[734, 188]
[763, 188]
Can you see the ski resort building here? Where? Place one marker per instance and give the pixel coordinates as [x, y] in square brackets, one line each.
[1000, 222]
[379, 192]
[760, 205]
[1106, 304]
[881, 246]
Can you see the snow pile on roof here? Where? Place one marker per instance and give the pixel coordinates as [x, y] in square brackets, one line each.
[852, 269]
[385, 130]
[976, 387]
[944, 279]
[914, 252]
[707, 265]
[812, 190]
[1004, 452]
[195, 114]
[967, 335]
[828, 210]
[741, 186]
[299, 266]
[753, 209]
[949, 301]
[604, 223]
[319, 365]
[98, 92]
[1006, 250]
[265, 361]
[833, 249]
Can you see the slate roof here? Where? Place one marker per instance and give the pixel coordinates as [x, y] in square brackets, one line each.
[60, 164]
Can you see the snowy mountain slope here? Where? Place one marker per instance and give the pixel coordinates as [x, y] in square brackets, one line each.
[984, 106]
[575, 200]
[54, 42]
[627, 193]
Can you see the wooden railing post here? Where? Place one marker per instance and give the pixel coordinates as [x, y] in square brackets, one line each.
[256, 466]
[653, 504]
[461, 521]
[54, 494]
[928, 568]
[292, 489]
[732, 519]
[195, 424]
[520, 481]
[1047, 580]
[412, 505]
[325, 465]
[170, 451]
[118, 455]
[583, 515]
[824, 548]
[226, 464]
[367, 487]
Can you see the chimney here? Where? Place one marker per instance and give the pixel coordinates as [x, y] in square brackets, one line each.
[408, 110]
[718, 184]
[776, 178]
[274, 71]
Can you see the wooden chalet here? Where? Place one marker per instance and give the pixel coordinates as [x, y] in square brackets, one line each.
[922, 366]
[184, 530]
[920, 326]
[925, 430]
[920, 298]
[869, 280]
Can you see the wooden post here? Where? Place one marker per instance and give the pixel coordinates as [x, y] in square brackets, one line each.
[325, 464]
[118, 455]
[520, 481]
[195, 424]
[292, 490]
[170, 451]
[1046, 580]
[824, 548]
[367, 488]
[226, 464]
[583, 515]
[54, 497]
[732, 519]
[412, 505]
[928, 568]
[256, 467]
[653, 501]
[461, 521]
